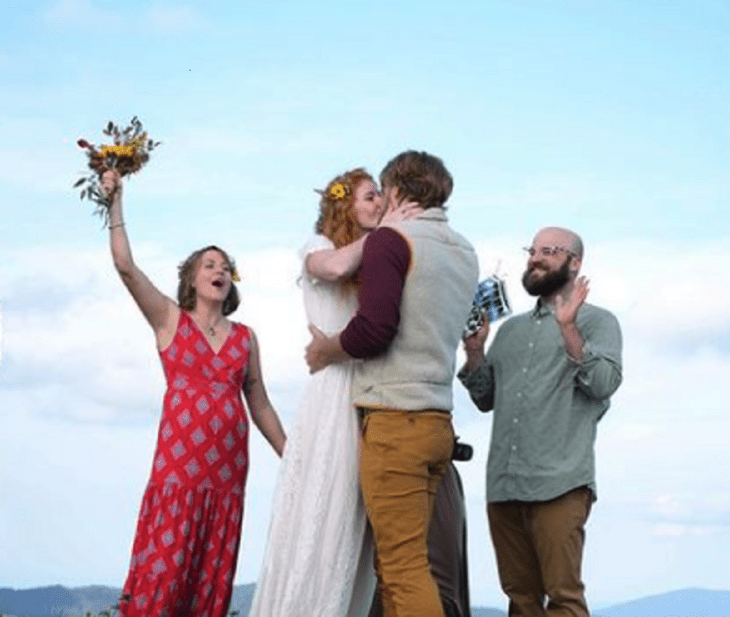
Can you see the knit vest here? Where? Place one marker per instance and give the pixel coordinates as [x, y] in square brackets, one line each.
[417, 370]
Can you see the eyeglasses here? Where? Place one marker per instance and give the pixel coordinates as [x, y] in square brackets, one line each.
[547, 251]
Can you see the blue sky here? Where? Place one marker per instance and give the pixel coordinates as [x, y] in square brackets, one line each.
[608, 117]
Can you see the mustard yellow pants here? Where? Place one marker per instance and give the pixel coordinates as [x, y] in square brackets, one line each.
[404, 456]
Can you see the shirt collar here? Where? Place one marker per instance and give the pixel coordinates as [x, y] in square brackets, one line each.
[433, 214]
[541, 310]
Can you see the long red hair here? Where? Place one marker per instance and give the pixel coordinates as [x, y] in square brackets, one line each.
[337, 220]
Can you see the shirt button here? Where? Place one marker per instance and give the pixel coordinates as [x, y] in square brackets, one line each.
[516, 420]
[539, 321]
[531, 345]
[514, 448]
[524, 370]
[519, 394]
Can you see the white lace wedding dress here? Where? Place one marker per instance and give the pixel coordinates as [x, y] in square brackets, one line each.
[318, 559]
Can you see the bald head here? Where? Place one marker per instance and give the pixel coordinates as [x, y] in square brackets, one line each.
[561, 237]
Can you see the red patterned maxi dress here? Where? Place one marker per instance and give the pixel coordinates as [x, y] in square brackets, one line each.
[189, 528]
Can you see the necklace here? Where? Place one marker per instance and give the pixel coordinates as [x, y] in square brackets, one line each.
[211, 328]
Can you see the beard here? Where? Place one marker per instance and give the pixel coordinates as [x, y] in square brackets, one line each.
[549, 283]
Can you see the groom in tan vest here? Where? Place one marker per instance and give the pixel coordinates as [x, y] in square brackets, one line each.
[417, 281]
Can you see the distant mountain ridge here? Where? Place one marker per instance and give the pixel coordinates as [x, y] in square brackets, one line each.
[682, 603]
[60, 601]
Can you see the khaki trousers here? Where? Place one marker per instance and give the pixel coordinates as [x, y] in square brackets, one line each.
[404, 456]
[539, 549]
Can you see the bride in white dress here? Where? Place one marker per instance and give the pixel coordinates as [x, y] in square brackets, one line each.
[318, 560]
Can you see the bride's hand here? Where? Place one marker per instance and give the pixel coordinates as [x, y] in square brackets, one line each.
[406, 210]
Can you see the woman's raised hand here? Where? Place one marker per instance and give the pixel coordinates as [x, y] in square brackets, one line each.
[406, 210]
[111, 184]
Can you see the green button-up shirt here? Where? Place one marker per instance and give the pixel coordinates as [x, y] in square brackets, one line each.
[546, 405]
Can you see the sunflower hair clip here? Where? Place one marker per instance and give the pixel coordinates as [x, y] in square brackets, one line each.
[234, 276]
[337, 191]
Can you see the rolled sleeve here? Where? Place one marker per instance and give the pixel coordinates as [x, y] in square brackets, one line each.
[480, 385]
[600, 373]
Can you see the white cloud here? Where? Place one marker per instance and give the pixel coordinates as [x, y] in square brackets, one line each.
[167, 18]
[164, 18]
[692, 511]
[81, 14]
[676, 530]
[674, 297]
[80, 372]
[577, 192]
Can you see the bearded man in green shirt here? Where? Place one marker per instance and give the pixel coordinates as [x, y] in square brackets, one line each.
[548, 376]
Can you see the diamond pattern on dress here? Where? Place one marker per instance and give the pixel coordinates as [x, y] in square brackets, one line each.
[178, 450]
[198, 436]
[167, 538]
[216, 424]
[184, 419]
[192, 468]
[212, 456]
[192, 510]
[160, 462]
[225, 473]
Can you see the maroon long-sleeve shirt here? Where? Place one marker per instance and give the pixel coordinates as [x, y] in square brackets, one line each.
[386, 256]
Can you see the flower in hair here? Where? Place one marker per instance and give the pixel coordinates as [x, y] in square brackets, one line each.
[337, 191]
[234, 276]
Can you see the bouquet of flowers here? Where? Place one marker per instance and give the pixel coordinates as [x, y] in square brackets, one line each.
[127, 154]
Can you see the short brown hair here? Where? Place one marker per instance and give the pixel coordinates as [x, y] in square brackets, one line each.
[186, 272]
[337, 219]
[418, 176]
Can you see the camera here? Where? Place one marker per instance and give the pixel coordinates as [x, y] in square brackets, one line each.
[462, 451]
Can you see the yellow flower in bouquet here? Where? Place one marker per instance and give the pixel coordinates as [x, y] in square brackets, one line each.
[127, 154]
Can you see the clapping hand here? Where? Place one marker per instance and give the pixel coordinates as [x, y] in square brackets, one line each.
[566, 309]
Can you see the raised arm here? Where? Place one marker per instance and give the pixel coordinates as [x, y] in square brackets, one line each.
[262, 412]
[592, 342]
[335, 264]
[159, 310]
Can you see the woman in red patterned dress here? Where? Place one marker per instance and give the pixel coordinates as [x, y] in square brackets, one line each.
[189, 528]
